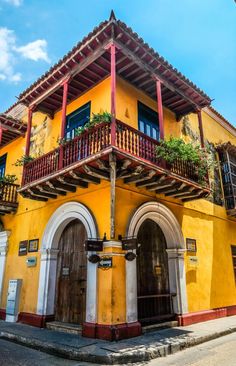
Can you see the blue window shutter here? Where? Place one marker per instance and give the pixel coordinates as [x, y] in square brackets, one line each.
[76, 119]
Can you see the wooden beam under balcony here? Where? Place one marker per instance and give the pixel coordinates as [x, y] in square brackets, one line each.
[94, 172]
[48, 189]
[61, 184]
[150, 182]
[140, 177]
[163, 187]
[85, 177]
[41, 193]
[73, 182]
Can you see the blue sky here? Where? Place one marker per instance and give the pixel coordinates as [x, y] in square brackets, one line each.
[198, 37]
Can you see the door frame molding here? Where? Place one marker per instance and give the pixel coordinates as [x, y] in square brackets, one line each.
[168, 223]
[4, 236]
[49, 252]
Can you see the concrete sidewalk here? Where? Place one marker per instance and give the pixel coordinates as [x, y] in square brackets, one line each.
[146, 347]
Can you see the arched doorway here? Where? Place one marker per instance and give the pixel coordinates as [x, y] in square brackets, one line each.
[153, 291]
[70, 302]
[63, 216]
[170, 227]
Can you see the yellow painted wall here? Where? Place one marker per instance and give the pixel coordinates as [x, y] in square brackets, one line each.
[32, 216]
[31, 225]
[210, 285]
[127, 108]
[111, 289]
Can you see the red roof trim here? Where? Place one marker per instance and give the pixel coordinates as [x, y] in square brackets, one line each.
[65, 64]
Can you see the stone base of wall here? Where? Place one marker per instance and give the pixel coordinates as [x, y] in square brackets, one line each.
[202, 316]
[124, 331]
[35, 319]
[30, 318]
[112, 332]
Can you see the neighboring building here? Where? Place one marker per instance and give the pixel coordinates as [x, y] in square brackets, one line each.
[108, 183]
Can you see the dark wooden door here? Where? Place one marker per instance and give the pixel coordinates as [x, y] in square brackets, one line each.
[154, 301]
[71, 275]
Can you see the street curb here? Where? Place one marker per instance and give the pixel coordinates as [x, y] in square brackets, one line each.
[143, 353]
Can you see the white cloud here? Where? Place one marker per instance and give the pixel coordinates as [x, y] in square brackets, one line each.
[7, 60]
[35, 51]
[14, 2]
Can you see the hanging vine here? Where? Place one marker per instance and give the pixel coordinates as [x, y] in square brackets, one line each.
[216, 195]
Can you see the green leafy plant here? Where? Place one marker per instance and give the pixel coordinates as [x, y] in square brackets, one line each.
[61, 141]
[96, 119]
[23, 160]
[176, 148]
[9, 178]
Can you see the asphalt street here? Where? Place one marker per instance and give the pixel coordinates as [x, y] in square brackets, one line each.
[12, 354]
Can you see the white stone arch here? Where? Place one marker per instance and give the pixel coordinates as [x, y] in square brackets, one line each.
[49, 250]
[168, 223]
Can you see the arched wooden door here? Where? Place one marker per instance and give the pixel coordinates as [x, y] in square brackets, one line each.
[71, 275]
[154, 300]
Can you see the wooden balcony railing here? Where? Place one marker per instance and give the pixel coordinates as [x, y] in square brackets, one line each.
[8, 197]
[93, 141]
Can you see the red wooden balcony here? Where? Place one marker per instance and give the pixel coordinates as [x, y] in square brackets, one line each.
[8, 198]
[85, 159]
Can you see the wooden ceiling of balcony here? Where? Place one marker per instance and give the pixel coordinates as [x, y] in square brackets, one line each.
[88, 63]
[11, 129]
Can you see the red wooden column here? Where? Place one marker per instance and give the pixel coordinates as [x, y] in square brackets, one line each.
[1, 131]
[199, 114]
[28, 133]
[160, 109]
[63, 120]
[64, 105]
[113, 93]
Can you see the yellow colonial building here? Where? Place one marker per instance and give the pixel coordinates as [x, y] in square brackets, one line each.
[98, 229]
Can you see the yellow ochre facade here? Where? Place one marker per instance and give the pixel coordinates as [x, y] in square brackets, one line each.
[203, 280]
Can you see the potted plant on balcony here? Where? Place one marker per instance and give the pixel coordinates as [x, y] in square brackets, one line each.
[9, 178]
[97, 118]
[23, 160]
[177, 149]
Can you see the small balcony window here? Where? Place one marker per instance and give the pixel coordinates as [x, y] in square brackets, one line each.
[3, 159]
[76, 119]
[148, 121]
[228, 172]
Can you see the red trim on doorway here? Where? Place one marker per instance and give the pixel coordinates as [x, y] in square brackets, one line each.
[112, 332]
[231, 310]
[35, 319]
[202, 316]
[2, 314]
